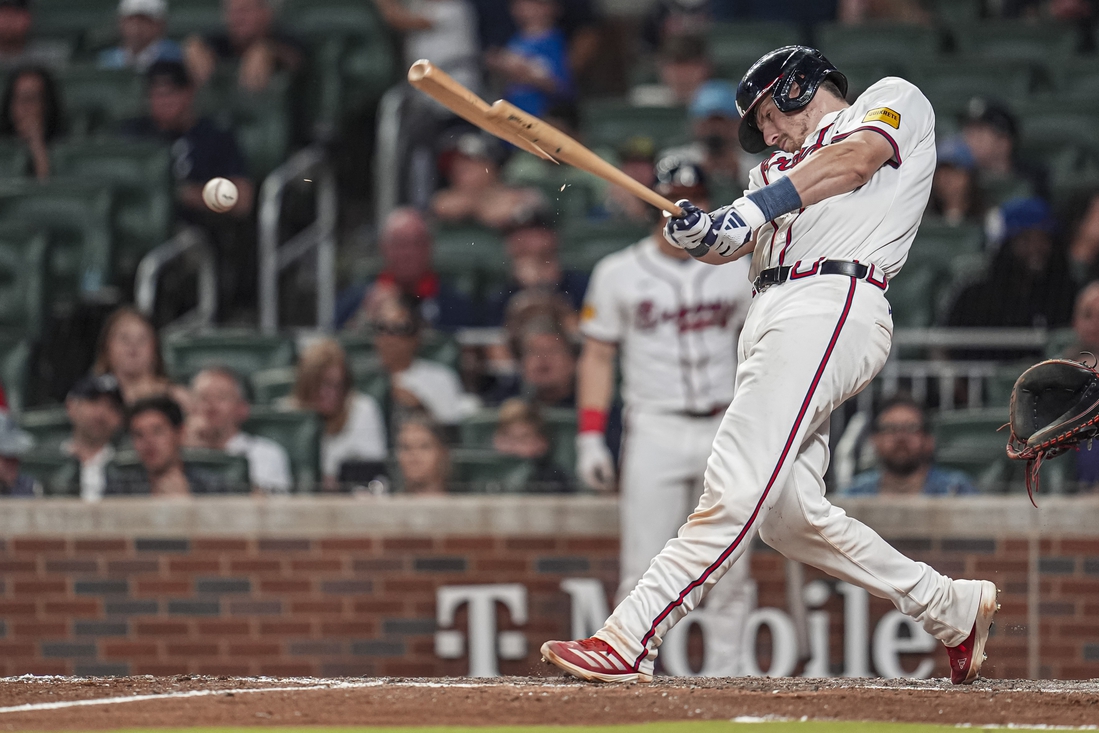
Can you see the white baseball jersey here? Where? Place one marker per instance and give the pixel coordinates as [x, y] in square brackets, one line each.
[676, 322]
[876, 223]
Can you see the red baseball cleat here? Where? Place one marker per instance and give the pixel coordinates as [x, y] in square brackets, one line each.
[966, 658]
[593, 660]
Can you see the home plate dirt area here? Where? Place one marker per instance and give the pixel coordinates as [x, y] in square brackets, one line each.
[68, 703]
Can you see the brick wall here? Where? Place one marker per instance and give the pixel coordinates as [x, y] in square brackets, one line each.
[366, 605]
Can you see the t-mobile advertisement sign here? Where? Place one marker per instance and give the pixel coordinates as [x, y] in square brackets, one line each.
[867, 652]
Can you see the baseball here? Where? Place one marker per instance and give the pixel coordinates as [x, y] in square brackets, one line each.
[220, 194]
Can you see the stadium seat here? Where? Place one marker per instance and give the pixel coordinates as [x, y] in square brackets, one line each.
[1074, 179]
[734, 47]
[952, 12]
[479, 471]
[14, 159]
[299, 433]
[892, 45]
[1050, 128]
[242, 351]
[77, 218]
[231, 470]
[585, 243]
[201, 17]
[939, 242]
[59, 473]
[140, 174]
[15, 355]
[97, 99]
[260, 120]
[609, 122]
[951, 83]
[476, 433]
[23, 254]
[271, 385]
[1018, 40]
[49, 426]
[70, 19]
[1077, 80]
[464, 248]
[968, 439]
[912, 297]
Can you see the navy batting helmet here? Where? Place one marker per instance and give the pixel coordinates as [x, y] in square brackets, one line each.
[679, 177]
[776, 73]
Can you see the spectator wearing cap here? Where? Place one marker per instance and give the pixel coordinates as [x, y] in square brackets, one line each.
[17, 48]
[14, 444]
[217, 414]
[905, 449]
[991, 133]
[532, 249]
[156, 428]
[475, 193]
[141, 26]
[250, 40]
[33, 116]
[535, 63]
[955, 196]
[406, 245]
[1029, 284]
[96, 411]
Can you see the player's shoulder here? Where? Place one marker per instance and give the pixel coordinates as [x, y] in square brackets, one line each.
[890, 90]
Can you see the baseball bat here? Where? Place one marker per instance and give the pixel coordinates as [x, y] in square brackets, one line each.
[444, 89]
[563, 147]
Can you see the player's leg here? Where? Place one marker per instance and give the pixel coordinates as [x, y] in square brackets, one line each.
[654, 497]
[806, 348]
[804, 526]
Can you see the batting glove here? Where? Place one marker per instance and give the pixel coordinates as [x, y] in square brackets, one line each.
[731, 231]
[691, 230]
[594, 462]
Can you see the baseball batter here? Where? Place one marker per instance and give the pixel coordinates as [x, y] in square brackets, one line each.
[830, 219]
[674, 323]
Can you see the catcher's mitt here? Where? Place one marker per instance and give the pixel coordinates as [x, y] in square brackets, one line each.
[1054, 407]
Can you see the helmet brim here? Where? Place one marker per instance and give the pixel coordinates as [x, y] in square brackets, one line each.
[751, 139]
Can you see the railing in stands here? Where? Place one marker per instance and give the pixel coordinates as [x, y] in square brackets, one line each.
[190, 243]
[388, 151]
[310, 163]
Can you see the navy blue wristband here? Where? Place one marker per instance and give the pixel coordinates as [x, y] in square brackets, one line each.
[776, 199]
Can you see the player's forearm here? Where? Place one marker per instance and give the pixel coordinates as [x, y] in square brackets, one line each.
[840, 168]
[595, 376]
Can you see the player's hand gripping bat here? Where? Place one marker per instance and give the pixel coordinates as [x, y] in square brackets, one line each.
[508, 122]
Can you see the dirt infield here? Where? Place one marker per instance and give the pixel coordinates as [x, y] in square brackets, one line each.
[67, 703]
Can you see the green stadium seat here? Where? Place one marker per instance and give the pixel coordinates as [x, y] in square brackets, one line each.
[77, 218]
[479, 471]
[609, 122]
[271, 385]
[1074, 179]
[891, 45]
[260, 121]
[23, 254]
[952, 12]
[1039, 43]
[476, 433]
[912, 297]
[14, 159]
[242, 351]
[58, 472]
[140, 174]
[938, 242]
[15, 355]
[231, 470]
[49, 426]
[1077, 81]
[465, 248]
[299, 433]
[734, 47]
[585, 243]
[71, 18]
[194, 17]
[1050, 128]
[97, 99]
[968, 439]
[951, 83]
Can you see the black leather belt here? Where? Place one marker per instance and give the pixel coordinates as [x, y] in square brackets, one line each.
[778, 275]
[700, 414]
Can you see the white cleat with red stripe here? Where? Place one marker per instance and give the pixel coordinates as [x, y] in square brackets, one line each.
[593, 660]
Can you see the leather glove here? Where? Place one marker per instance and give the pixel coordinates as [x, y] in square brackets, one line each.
[690, 230]
[594, 462]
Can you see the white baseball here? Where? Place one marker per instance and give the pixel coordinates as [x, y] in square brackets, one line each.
[220, 194]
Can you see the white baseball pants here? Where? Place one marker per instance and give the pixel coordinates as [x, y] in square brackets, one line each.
[663, 462]
[806, 346]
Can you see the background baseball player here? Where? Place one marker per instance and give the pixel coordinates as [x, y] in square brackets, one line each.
[674, 323]
[830, 218]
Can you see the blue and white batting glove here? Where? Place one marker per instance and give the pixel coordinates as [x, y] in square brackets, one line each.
[691, 231]
[731, 231]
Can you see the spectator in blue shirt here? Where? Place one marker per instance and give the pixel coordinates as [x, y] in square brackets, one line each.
[535, 61]
[905, 447]
[141, 25]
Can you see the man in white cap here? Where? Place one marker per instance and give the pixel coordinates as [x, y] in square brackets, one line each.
[141, 25]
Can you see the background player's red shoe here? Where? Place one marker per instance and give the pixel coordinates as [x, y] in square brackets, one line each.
[593, 660]
[966, 658]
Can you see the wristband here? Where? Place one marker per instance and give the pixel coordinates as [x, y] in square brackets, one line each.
[774, 200]
[591, 420]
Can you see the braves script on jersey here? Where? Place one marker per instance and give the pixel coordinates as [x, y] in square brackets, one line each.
[808, 344]
[676, 322]
[874, 224]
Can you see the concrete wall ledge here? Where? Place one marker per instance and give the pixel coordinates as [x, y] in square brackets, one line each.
[495, 515]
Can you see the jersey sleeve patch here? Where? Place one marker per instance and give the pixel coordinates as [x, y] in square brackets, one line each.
[884, 114]
[587, 313]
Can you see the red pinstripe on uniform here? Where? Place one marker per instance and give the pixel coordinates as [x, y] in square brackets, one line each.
[767, 489]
